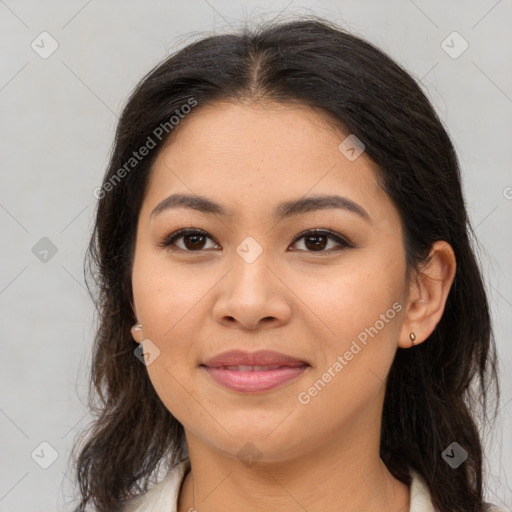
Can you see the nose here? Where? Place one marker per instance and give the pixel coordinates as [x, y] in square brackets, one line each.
[251, 296]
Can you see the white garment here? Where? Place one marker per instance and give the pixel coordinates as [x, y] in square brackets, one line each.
[163, 496]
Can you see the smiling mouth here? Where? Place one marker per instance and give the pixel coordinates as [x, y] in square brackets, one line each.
[249, 368]
[253, 378]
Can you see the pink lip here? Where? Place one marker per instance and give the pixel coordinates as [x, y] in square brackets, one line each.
[254, 380]
[258, 358]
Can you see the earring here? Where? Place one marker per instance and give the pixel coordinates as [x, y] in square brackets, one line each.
[135, 328]
[413, 338]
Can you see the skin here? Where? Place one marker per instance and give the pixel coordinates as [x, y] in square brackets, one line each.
[323, 455]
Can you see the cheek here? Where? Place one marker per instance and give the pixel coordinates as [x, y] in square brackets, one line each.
[170, 304]
[352, 297]
[166, 294]
[362, 306]
[363, 312]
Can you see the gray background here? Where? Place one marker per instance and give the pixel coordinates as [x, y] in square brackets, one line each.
[58, 119]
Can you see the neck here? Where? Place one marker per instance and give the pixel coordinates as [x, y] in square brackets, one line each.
[346, 474]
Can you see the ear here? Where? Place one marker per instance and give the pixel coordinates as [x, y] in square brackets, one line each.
[428, 291]
[136, 330]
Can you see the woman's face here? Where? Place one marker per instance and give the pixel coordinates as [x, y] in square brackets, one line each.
[251, 283]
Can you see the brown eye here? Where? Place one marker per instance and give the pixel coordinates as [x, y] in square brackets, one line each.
[194, 240]
[317, 240]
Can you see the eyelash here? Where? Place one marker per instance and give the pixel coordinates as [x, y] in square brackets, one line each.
[169, 240]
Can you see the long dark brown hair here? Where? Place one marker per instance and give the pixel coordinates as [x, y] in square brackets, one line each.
[437, 392]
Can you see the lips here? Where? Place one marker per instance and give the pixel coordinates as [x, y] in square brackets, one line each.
[254, 372]
[253, 361]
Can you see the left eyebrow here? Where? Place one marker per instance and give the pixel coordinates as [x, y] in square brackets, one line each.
[283, 210]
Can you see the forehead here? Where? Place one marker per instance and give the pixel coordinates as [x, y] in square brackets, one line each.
[262, 153]
[262, 132]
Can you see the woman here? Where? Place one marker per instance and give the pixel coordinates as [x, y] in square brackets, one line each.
[291, 312]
